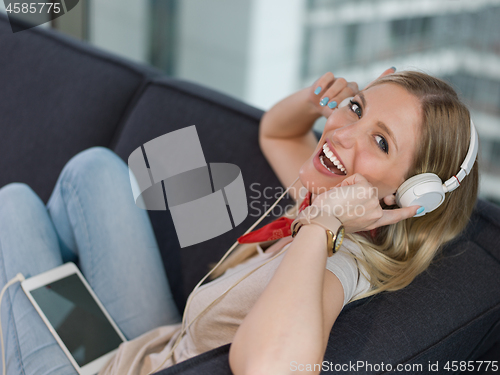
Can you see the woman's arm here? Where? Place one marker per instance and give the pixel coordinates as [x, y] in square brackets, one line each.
[286, 138]
[285, 132]
[290, 323]
[292, 319]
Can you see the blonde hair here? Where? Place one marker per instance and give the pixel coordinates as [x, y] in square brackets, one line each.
[401, 251]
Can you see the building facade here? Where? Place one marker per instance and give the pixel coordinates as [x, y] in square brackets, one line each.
[261, 51]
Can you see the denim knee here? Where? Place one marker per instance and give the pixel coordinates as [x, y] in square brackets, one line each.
[16, 194]
[93, 162]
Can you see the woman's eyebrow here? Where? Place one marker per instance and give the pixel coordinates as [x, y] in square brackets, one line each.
[362, 98]
[385, 128]
[380, 124]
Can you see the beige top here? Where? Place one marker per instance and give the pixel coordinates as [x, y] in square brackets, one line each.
[218, 325]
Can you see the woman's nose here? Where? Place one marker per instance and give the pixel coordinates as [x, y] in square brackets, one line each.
[346, 135]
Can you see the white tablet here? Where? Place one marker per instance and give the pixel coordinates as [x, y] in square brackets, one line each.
[75, 316]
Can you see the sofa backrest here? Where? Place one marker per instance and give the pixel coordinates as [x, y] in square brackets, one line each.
[57, 99]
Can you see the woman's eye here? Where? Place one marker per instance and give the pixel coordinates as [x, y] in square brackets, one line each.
[356, 108]
[382, 143]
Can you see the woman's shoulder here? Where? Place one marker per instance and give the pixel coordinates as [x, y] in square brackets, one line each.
[351, 273]
[350, 246]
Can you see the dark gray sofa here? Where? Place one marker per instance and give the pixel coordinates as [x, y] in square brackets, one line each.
[59, 96]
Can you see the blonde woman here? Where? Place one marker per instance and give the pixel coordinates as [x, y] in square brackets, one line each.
[401, 125]
[276, 304]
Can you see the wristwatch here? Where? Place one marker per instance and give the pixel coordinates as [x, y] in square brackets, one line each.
[313, 215]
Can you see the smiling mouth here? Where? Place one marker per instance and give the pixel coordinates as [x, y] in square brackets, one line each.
[330, 161]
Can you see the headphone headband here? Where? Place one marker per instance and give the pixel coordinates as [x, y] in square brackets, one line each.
[454, 182]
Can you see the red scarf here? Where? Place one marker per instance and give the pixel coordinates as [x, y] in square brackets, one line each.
[275, 230]
[279, 228]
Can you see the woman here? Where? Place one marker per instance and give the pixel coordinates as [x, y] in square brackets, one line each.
[430, 133]
[402, 124]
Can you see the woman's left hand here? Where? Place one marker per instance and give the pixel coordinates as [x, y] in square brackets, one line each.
[329, 89]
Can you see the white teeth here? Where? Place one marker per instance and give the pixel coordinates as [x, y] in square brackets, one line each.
[323, 162]
[332, 158]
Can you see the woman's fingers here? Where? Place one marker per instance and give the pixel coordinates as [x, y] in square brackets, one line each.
[390, 200]
[353, 86]
[356, 203]
[323, 84]
[329, 95]
[317, 91]
[355, 178]
[394, 216]
[334, 100]
[329, 91]
[338, 91]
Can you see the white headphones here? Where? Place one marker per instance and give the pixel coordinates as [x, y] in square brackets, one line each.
[427, 189]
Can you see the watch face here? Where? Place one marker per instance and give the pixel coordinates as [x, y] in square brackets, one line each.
[340, 238]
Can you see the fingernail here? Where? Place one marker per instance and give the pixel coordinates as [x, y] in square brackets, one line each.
[324, 101]
[332, 105]
[393, 68]
[318, 90]
[420, 210]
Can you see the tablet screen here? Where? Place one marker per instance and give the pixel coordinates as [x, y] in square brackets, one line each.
[77, 319]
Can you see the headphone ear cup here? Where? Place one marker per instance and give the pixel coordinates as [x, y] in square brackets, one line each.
[425, 189]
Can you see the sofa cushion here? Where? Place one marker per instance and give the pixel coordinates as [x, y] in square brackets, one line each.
[58, 97]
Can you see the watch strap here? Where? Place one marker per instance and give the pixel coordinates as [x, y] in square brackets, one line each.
[313, 215]
[332, 225]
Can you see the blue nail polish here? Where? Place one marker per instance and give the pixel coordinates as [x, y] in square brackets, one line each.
[332, 105]
[393, 68]
[324, 101]
[420, 210]
[318, 90]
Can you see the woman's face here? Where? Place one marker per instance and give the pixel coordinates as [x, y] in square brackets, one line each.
[375, 135]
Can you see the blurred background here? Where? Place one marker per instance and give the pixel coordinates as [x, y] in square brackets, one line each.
[263, 50]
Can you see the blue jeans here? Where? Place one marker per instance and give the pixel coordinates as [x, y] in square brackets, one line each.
[92, 220]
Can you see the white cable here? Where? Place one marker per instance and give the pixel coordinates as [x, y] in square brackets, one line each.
[19, 277]
[184, 316]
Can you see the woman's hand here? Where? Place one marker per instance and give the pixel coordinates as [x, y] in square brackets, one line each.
[355, 203]
[329, 91]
